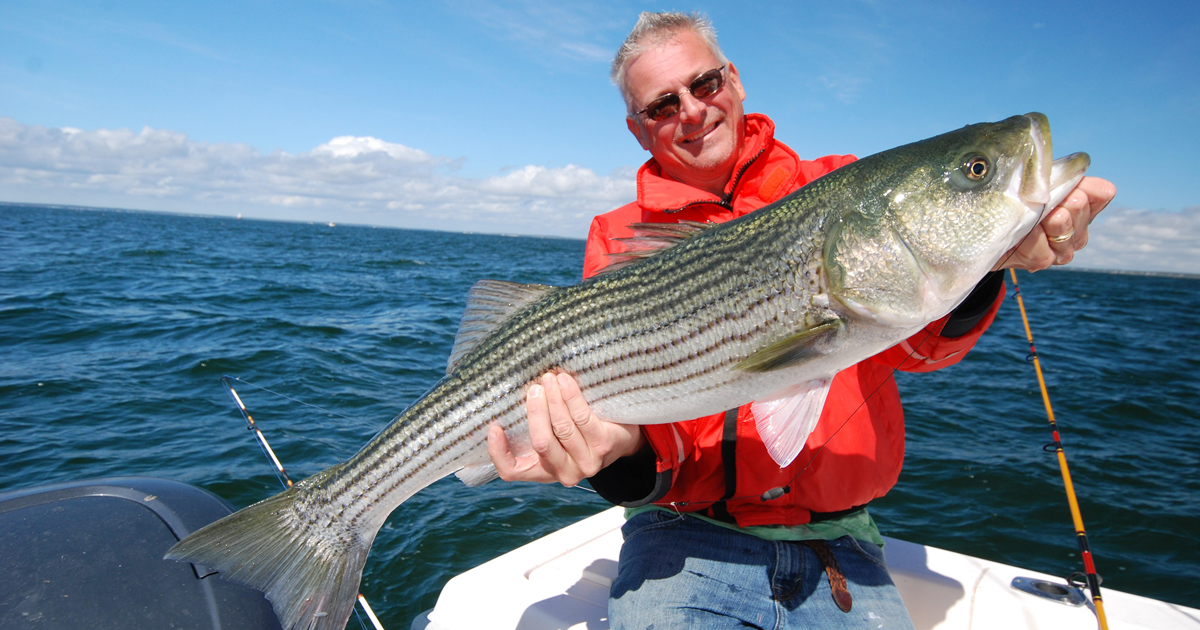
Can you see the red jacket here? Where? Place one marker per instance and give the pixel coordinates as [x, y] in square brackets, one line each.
[857, 448]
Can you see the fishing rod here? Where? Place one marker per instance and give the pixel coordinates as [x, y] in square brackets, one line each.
[776, 492]
[284, 479]
[1089, 565]
[258, 434]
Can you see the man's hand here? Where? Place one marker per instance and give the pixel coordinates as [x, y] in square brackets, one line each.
[569, 442]
[1064, 231]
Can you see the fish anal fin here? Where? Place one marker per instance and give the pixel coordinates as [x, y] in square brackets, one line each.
[489, 304]
[785, 420]
[651, 239]
[477, 475]
[793, 350]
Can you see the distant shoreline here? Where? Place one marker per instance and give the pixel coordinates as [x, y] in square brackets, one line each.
[1122, 272]
[59, 206]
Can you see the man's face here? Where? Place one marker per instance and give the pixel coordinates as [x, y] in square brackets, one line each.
[700, 144]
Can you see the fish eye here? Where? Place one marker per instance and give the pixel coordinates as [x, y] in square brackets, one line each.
[976, 168]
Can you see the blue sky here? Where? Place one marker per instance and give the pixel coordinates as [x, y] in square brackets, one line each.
[499, 117]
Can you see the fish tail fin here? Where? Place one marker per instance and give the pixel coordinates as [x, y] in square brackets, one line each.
[308, 569]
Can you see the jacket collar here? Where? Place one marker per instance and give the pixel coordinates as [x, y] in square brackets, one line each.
[659, 193]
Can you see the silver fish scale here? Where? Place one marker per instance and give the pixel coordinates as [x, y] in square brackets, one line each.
[873, 250]
[648, 344]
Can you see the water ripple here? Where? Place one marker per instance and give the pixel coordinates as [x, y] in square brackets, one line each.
[115, 328]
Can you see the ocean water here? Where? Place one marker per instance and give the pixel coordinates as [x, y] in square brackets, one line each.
[115, 328]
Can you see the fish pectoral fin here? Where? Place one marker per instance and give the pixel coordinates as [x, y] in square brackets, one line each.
[489, 304]
[791, 351]
[785, 421]
[477, 475]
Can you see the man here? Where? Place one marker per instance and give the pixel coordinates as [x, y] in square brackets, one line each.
[718, 535]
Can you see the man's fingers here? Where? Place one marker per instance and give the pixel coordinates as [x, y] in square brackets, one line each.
[509, 466]
[1067, 227]
[1099, 193]
[1060, 228]
[577, 429]
[563, 433]
[1034, 251]
[560, 416]
[552, 431]
[576, 405]
[497, 446]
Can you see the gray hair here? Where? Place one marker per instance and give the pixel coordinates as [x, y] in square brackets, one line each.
[655, 29]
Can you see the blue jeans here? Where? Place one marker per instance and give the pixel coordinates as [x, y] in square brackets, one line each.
[681, 572]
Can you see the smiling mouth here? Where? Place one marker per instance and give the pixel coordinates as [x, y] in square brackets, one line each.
[702, 133]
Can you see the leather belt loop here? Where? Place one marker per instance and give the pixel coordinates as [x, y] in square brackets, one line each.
[837, 581]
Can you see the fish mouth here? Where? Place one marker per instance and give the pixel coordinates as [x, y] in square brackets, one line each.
[1045, 181]
[1065, 174]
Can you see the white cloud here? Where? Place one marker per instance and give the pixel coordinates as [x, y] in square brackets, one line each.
[581, 31]
[369, 180]
[353, 146]
[1143, 240]
[351, 179]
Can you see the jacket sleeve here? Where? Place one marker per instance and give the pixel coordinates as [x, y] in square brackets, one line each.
[633, 481]
[647, 476]
[595, 253]
[946, 341]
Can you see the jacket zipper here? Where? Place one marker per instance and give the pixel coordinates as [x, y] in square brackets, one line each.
[726, 201]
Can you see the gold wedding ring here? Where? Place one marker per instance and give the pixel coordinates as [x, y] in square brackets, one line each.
[1064, 238]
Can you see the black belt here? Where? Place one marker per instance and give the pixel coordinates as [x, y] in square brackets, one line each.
[720, 512]
[720, 509]
[817, 517]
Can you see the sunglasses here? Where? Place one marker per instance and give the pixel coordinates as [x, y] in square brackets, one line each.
[702, 86]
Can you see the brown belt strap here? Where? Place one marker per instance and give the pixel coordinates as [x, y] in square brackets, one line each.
[837, 581]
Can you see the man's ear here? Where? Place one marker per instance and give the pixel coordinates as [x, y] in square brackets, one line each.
[735, 82]
[637, 131]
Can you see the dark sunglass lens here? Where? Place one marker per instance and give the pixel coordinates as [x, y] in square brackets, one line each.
[663, 107]
[706, 84]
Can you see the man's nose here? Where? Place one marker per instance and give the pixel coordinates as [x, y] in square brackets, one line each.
[691, 109]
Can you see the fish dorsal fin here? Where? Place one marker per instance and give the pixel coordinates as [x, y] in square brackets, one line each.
[649, 239]
[797, 348]
[490, 303]
[786, 419]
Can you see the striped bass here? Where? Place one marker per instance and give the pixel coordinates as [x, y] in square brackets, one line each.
[764, 309]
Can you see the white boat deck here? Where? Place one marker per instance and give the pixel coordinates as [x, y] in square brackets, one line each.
[561, 581]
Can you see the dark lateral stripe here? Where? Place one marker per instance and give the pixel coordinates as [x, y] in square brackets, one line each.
[679, 361]
[406, 468]
[534, 356]
[742, 263]
[595, 300]
[394, 447]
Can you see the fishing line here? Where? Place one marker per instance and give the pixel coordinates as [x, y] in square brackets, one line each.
[284, 479]
[1085, 552]
[771, 494]
[778, 491]
[282, 395]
